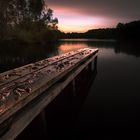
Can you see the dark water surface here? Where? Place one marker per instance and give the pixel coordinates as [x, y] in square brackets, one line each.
[111, 107]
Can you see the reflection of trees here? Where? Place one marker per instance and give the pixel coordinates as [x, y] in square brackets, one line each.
[90, 43]
[16, 55]
[24, 14]
[130, 48]
[12, 56]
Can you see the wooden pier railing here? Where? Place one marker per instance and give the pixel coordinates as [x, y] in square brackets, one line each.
[22, 90]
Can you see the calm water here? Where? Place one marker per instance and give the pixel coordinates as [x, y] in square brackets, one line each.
[113, 102]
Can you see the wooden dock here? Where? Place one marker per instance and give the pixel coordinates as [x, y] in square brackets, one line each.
[26, 91]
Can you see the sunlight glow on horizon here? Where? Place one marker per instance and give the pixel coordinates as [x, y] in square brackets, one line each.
[83, 15]
[64, 48]
[74, 21]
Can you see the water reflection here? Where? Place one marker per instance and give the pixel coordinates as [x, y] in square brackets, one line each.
[113, 101]
[58, 120]
[65, 47]
[15, 55]
[130, 48]
[12, 56]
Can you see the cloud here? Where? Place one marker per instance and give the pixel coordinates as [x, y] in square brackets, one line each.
[107, 8]
[94, 13]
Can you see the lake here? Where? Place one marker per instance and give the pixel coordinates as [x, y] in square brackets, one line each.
[112, 104]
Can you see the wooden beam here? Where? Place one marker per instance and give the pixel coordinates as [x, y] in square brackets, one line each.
[44, 88]
[23, 118]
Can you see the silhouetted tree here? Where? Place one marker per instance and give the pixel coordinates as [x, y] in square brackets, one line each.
[129, 31]
[29, 15]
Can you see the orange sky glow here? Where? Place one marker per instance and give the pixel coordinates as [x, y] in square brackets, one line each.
[83, 15]
[71, 20]
[64, 48]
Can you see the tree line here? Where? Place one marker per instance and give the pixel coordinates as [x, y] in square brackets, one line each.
[27, 21]
[32, 21]
[121, 32]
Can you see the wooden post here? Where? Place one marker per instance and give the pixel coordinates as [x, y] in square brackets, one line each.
[74, 87]
[43, 122]
[95, 62]
[41, 80]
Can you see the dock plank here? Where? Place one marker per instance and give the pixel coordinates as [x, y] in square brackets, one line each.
[18, 91]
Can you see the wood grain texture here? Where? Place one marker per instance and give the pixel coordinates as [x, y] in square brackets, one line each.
[44, 90]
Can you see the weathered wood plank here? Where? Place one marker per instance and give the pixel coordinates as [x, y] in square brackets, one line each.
[15, 93]
[17, 73]
[22, 119]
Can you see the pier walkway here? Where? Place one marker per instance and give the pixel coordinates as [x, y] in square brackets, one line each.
[26, 91]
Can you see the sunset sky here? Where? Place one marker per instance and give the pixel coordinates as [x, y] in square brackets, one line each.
[82, 15]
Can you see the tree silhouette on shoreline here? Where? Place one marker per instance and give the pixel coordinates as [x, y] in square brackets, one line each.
[25, 15]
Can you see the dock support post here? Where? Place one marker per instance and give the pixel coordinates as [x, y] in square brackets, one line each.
[43, 123]
[74, 87]
[95, 63]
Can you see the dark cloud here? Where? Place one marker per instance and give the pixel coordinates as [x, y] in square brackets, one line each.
[121, 9]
